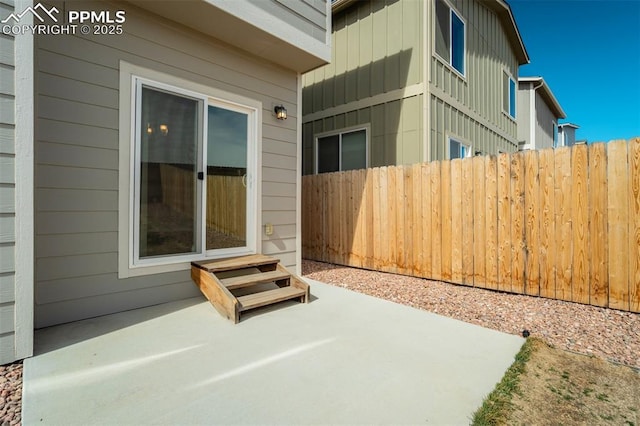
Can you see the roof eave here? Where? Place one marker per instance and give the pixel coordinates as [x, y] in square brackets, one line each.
[505, 14]
[547, 94]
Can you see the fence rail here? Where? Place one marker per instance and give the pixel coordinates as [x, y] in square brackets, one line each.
[558, 223]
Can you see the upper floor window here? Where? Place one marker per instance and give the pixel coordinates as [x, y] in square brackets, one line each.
[458, 149]
[508, 95]
[450, 36]
[341, 151]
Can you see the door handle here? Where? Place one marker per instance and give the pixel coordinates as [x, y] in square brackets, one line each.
[200, 175]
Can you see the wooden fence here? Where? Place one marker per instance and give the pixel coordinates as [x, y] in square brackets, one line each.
[558, 223]
[226, 199]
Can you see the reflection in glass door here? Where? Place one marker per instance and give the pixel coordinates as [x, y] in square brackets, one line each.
[167, 200]
[226, 198]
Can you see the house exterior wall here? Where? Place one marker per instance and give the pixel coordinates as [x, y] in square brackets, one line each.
[566, 136]
[523, 100]
[7, 194]
[375, 77]
[77, 151]
[471, 106]
[384, 73]
[16, 189]
[545, 120]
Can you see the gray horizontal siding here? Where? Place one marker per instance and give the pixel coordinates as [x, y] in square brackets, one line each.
[308, 17]
[7, 288]
[7, 193]
[7, 139]
[77, 165]
[7, 259]
[7, 314]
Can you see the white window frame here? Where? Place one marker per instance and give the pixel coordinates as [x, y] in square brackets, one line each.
[515, 93]
[367, 130]
[449, 61]
[461, 141]
[132, 78]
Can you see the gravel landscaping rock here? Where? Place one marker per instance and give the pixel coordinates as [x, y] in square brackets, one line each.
[602, 332]
[11, 394]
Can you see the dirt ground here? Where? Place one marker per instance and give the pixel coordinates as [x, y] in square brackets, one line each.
[564, 388]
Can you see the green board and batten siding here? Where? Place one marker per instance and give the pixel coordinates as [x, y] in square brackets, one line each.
[7, 194]
[77, 159]
[377, 51]
[471, 107]
[377, 77]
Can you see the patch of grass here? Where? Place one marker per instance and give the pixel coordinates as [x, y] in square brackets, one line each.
[587, 391]
[602, 397]
[497, 405]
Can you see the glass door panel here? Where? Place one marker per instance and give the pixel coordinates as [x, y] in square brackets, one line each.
[226, 198]
[167, 197]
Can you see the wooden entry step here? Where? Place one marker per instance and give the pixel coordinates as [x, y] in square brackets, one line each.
[242, 283]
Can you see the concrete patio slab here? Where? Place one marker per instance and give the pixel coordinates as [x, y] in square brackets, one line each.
[345, 358]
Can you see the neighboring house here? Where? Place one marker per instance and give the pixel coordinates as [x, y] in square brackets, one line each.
[567, 134]
[105, 141]
[412, 81]
[538, 114]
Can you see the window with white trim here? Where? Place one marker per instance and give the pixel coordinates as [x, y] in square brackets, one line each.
[508, 95]
[458, 149]
[346, 150]
[188, 175]
[450, 36]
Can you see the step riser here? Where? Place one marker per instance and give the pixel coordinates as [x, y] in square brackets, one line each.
[216, 288]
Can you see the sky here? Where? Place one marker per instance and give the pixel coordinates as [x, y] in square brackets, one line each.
[588, 52]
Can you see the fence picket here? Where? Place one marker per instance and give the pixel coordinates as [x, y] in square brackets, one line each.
[479, 227]
[456, 221]
[599, 264]
[445, 189]
[580, 225]
[517, 223]
[426, 219]
[504, 222]
[436, 222]
[618, 217]
[532, 224]
[491, 220]
[563, 223]
[634, 224]
[467, 222]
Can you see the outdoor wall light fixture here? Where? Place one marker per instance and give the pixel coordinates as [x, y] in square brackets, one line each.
[164, 129]
[281, 112]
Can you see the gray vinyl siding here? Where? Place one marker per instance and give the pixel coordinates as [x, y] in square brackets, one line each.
[7, 195]
[523, 105]
[488, 54]
[76, 156]
[377, 47]
[395, 138]
[544, 124]
[308, 16]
